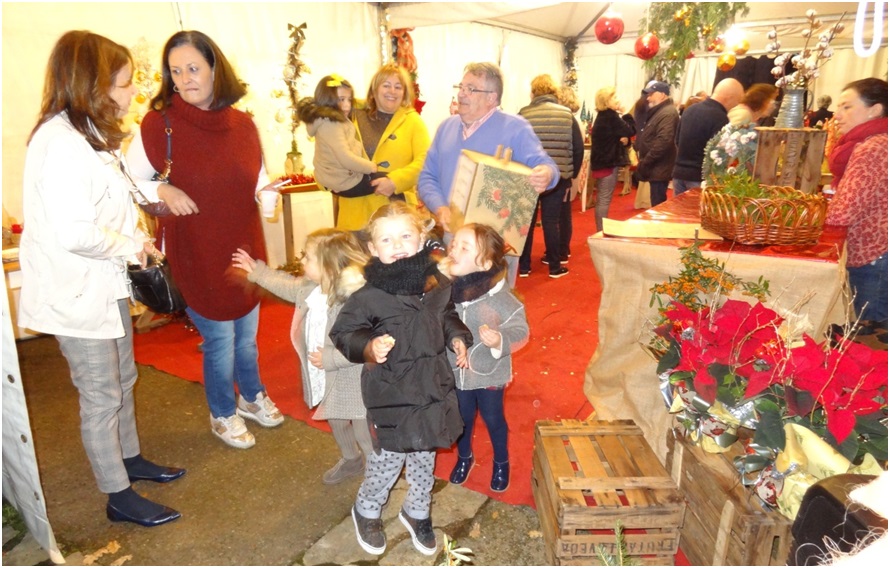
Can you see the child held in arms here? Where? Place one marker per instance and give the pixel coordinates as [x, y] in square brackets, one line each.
[333, 265]
[340, 162]
[497, 319]
[400, 325]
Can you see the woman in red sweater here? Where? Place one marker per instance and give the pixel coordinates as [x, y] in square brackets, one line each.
[859, 165]
[217, 170]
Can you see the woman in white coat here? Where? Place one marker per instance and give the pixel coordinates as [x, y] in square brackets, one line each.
[80, 232]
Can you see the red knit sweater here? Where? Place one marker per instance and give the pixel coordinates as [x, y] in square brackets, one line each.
[216, 161]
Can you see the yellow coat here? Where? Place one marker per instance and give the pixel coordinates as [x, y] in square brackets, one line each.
[403, 145]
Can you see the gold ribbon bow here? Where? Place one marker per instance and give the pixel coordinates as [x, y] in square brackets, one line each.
[335, 81]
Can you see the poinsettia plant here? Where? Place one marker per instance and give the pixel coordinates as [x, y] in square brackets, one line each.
[726, 364]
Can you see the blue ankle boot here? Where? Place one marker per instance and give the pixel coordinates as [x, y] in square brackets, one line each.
[461, 470]
[500, 476]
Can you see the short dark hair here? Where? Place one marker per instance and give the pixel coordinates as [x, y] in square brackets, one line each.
[759, 95]
[227, 88]
[872, 91]
[79, 76]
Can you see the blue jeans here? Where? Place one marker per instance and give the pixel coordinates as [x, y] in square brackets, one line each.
[490, 403]
[869, 284]
[230, 358]
[684, 185]
[658, 192]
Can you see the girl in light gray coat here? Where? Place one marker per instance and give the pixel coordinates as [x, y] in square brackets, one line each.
[332, 271]
[497, 320]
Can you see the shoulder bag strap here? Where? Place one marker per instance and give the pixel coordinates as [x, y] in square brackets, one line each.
[168, 161]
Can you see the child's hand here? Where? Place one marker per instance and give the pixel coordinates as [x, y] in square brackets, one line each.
[381, 346]
[315, 359]
[490, 337]
[461, 351]
[242, 260]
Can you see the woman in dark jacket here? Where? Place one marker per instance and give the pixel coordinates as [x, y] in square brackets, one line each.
[609, 140]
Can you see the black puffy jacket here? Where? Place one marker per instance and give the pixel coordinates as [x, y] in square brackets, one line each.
[411, 398]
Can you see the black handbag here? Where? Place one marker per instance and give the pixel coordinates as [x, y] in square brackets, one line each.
[154, 287]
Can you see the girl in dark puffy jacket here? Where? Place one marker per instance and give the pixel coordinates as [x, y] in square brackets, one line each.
[399, 325]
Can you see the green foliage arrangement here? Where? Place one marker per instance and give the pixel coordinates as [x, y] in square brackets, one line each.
[682, 28]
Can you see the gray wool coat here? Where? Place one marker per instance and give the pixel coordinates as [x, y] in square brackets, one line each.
[503, 312]
[343, 393]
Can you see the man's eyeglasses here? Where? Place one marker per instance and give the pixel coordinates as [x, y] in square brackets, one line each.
[469, 89]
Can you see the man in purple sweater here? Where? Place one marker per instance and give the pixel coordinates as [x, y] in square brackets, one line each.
[481, 127]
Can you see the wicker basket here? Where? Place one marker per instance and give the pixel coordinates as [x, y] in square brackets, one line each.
[788, 217]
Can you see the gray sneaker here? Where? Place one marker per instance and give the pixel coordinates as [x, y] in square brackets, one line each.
[369, 533]
[422, 534]
[342, 470]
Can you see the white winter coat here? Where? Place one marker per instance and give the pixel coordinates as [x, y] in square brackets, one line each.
[79, 231]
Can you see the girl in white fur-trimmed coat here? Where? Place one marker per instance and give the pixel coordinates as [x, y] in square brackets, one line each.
[333, 265]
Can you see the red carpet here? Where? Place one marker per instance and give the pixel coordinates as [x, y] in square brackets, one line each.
[549, 371]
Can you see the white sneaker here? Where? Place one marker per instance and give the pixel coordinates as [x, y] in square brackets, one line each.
[233, 431]
[262, 411]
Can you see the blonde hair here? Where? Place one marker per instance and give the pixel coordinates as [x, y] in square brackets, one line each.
[603, 96]
[399, 209]
[568, 98]
[336, 250]
[384, 73]
[543, 85]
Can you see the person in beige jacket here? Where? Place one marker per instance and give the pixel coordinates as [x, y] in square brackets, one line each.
[340, 162]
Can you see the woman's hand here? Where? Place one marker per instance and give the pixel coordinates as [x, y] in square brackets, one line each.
[177, 200]
[315, 359]
[242, 260]
[383, 186]
[148, 250]
[490, 338]
[461, 351]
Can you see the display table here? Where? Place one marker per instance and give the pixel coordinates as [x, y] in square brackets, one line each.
[305, 208]
[620, 381]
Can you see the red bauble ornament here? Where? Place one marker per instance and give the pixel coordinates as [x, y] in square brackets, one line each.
[646, 46]
[609, 28]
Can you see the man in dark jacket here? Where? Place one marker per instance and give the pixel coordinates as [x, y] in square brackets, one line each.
[698, 125]
[655, 143]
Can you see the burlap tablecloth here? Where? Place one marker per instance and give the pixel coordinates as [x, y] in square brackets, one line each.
[620, 380]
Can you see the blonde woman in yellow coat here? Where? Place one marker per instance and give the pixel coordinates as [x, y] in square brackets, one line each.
[397, 140]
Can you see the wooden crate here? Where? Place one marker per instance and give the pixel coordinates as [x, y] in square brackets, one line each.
[790, 157]
[726, 525]
[590, 474]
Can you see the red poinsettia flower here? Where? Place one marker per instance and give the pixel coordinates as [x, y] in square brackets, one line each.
[705, 385]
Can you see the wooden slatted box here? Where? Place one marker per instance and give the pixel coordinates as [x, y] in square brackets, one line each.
[725, 525]
[588, 475]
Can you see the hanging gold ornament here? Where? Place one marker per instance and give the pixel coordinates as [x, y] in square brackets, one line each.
[678, 16]
[137, 119]
[726, 62]
[706, 30]
[141, 98]
[742, 47]
[157, 77]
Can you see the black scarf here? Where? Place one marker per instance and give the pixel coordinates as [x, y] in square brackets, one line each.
[407, 276]
[475, 284]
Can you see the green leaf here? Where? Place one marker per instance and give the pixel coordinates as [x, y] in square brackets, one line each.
[670, 359]
[770, 431]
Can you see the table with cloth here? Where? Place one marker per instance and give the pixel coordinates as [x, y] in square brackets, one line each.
[620, 380]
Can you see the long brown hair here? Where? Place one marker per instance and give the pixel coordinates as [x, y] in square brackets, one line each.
[490, 244]
[227, 88]
[79, 77]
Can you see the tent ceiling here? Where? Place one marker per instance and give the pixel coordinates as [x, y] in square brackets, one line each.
[564, 20]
